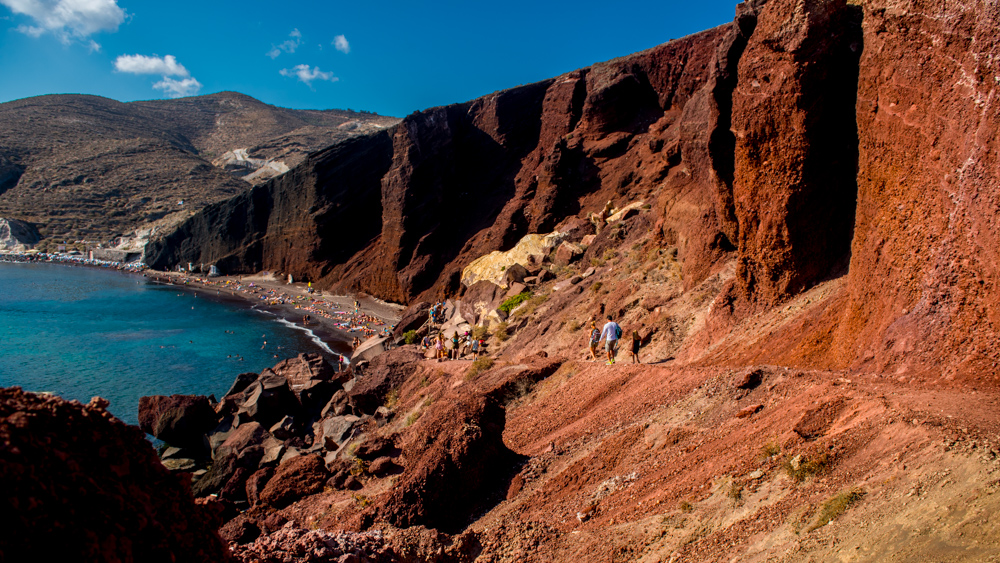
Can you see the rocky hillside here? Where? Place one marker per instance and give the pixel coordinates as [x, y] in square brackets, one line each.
[793, 151]
[801, 233]
[85, 167]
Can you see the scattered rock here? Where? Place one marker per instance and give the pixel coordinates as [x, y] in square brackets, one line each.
[255, 484]
[816, 422]
[567, 253]
[301, 476]
[749, 411]
[749, 379]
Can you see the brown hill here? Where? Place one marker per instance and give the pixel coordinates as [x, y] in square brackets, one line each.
[86, 167]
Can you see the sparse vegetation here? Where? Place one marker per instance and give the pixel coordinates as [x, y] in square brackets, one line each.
[574, 325]
[361, 500]
[685, 506]
[501, 332]
[835, 507]
[770, 449]
[478, 366]
[511, 303]
[391, 398]
[799, 468]
[424, 381]
[480, 333]
[531, 306]
[359, 468]
[414, 416]
[410, 337]
[735, 492]
[596, 287]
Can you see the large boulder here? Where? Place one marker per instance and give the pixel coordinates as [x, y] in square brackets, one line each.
[568, 252]
[493, 266]
[179, 420]
[412, 318]
[302, 369]
[386, 372]
[336, 430]
[456, 459]
[299, 477]
[241, 382]
[269, 399]
[80, 485]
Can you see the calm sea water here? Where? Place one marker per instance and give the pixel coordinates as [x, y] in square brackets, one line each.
[79, 332]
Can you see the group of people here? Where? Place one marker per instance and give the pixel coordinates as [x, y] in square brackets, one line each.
[436, 313]
[459, 346]
[612, 335]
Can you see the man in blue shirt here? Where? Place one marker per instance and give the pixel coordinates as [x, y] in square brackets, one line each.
[610, 335]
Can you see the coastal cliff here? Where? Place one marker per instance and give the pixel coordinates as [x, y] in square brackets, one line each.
[800, 248]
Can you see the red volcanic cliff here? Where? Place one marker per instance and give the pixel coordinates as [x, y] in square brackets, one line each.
[802, 143]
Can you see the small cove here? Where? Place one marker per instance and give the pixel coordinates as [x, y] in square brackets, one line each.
[80, 332]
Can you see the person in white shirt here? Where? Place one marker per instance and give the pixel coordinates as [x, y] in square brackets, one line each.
[610, 335]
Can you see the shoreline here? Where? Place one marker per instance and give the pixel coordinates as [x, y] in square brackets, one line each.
[287, 303]
[290, 303]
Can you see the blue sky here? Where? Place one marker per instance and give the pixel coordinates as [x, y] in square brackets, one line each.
[390, 57]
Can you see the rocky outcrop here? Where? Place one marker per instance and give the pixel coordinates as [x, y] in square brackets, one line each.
[17, 236]
[179, 420]
[80, 485]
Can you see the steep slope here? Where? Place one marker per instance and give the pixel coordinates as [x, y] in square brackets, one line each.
[85, 167]
[471, 178]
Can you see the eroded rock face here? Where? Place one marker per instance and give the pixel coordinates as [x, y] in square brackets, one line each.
[79, 485]
[457, 459]
[385, 373]
[794, 186]
[301, 476]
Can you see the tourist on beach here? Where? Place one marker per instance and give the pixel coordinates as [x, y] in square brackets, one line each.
[610, 335]
[595, 337]
[636, 342]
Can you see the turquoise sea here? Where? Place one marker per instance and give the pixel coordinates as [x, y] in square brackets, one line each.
[79, 332]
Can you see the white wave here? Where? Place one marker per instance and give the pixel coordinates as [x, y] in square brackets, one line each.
[312, 336]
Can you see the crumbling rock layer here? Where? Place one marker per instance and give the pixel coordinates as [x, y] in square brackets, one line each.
[80, 485]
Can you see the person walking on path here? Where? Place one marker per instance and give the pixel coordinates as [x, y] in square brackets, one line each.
[595, 337]
[636, 342]
[610, 335]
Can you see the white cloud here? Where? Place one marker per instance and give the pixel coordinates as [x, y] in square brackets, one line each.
[68, 19]
[141, 64]
[164, 66]
[341, 44]
[288, 46]
[307, 74]
[178, 88]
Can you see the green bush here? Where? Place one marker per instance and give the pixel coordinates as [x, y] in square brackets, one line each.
[480, 333]
[410, 337]
[511, 303]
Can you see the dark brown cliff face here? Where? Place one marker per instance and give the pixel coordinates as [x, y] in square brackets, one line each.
[471, 178]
